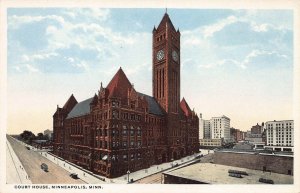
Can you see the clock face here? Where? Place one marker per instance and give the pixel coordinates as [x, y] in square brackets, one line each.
[175, 56]
[160, 55]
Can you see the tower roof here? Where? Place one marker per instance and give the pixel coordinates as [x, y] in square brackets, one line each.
[71, 102]
[166, 20]
[185, 107]
[119, 83]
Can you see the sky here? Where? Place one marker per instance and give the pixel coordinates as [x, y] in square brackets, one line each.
[237, 63]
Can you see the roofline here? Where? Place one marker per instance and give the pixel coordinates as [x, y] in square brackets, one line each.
[221, 117]
[78, 116]
[278, 121]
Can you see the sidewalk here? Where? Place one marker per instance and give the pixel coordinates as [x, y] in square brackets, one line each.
[82, 173]
[91, 178]
[157, 168]
[15, 171]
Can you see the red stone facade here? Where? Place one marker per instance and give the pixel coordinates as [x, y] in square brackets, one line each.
[120, 129]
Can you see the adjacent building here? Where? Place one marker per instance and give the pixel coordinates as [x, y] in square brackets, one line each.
[220, 128]
[256, 136]
[120, 129]
[211, 142]
[204, 128]
[215, 131]
[49, 133]
[280, 135]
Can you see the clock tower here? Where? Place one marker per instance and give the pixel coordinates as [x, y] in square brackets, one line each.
[166, 65]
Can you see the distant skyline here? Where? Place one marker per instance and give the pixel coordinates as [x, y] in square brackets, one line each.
[237, 63]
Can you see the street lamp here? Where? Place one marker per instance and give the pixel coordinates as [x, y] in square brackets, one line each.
[128, 172]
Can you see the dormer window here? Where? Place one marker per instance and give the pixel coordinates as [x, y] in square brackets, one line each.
[115, 104]
[115, 114]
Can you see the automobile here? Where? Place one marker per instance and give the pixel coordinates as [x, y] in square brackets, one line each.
[28, 148]
[175, 164]
[44, 167]
[74, 176]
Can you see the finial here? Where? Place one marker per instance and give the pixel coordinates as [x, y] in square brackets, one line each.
[101, 85]
[166, 10]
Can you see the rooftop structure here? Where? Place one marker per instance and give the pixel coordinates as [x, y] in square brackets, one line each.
[209, 173]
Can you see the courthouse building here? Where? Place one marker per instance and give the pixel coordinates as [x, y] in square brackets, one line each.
[120, 129]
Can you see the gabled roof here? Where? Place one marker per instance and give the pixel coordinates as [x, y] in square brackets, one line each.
[70, 103]
[80, 109]
[120, 84]
[153, 106]
[166, 19]
[185, 108]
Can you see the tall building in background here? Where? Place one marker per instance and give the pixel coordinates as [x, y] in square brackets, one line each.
[220, 128]
[120, 129]
[206, 126]
[215, 131]
[280, 135]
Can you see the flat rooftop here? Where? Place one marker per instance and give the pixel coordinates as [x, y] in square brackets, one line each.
[218, 174]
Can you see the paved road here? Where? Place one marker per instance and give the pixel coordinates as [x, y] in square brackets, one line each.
[32, 160]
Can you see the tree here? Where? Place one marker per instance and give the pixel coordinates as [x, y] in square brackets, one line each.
[40, 136]
[27, 136]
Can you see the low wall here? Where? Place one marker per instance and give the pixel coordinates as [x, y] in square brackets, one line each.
[270, 163]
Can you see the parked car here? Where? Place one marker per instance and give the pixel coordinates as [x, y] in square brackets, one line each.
[44, 167]
[74, 176]
[28, 148]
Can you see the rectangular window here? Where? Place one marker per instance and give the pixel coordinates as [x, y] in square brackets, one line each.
[139, 143]
[132, 143]
[132, 117]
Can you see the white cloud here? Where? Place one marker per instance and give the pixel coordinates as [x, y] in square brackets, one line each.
[25, 58]
[82, 65]
[91, 13]
[17, 68]
[260, 27]
[41, 56]
[30, 68]
[209, 30]
[70, 59]
[244, 62]
[15, 21]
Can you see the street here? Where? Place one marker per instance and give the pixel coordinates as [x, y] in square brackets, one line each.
[32, 161]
